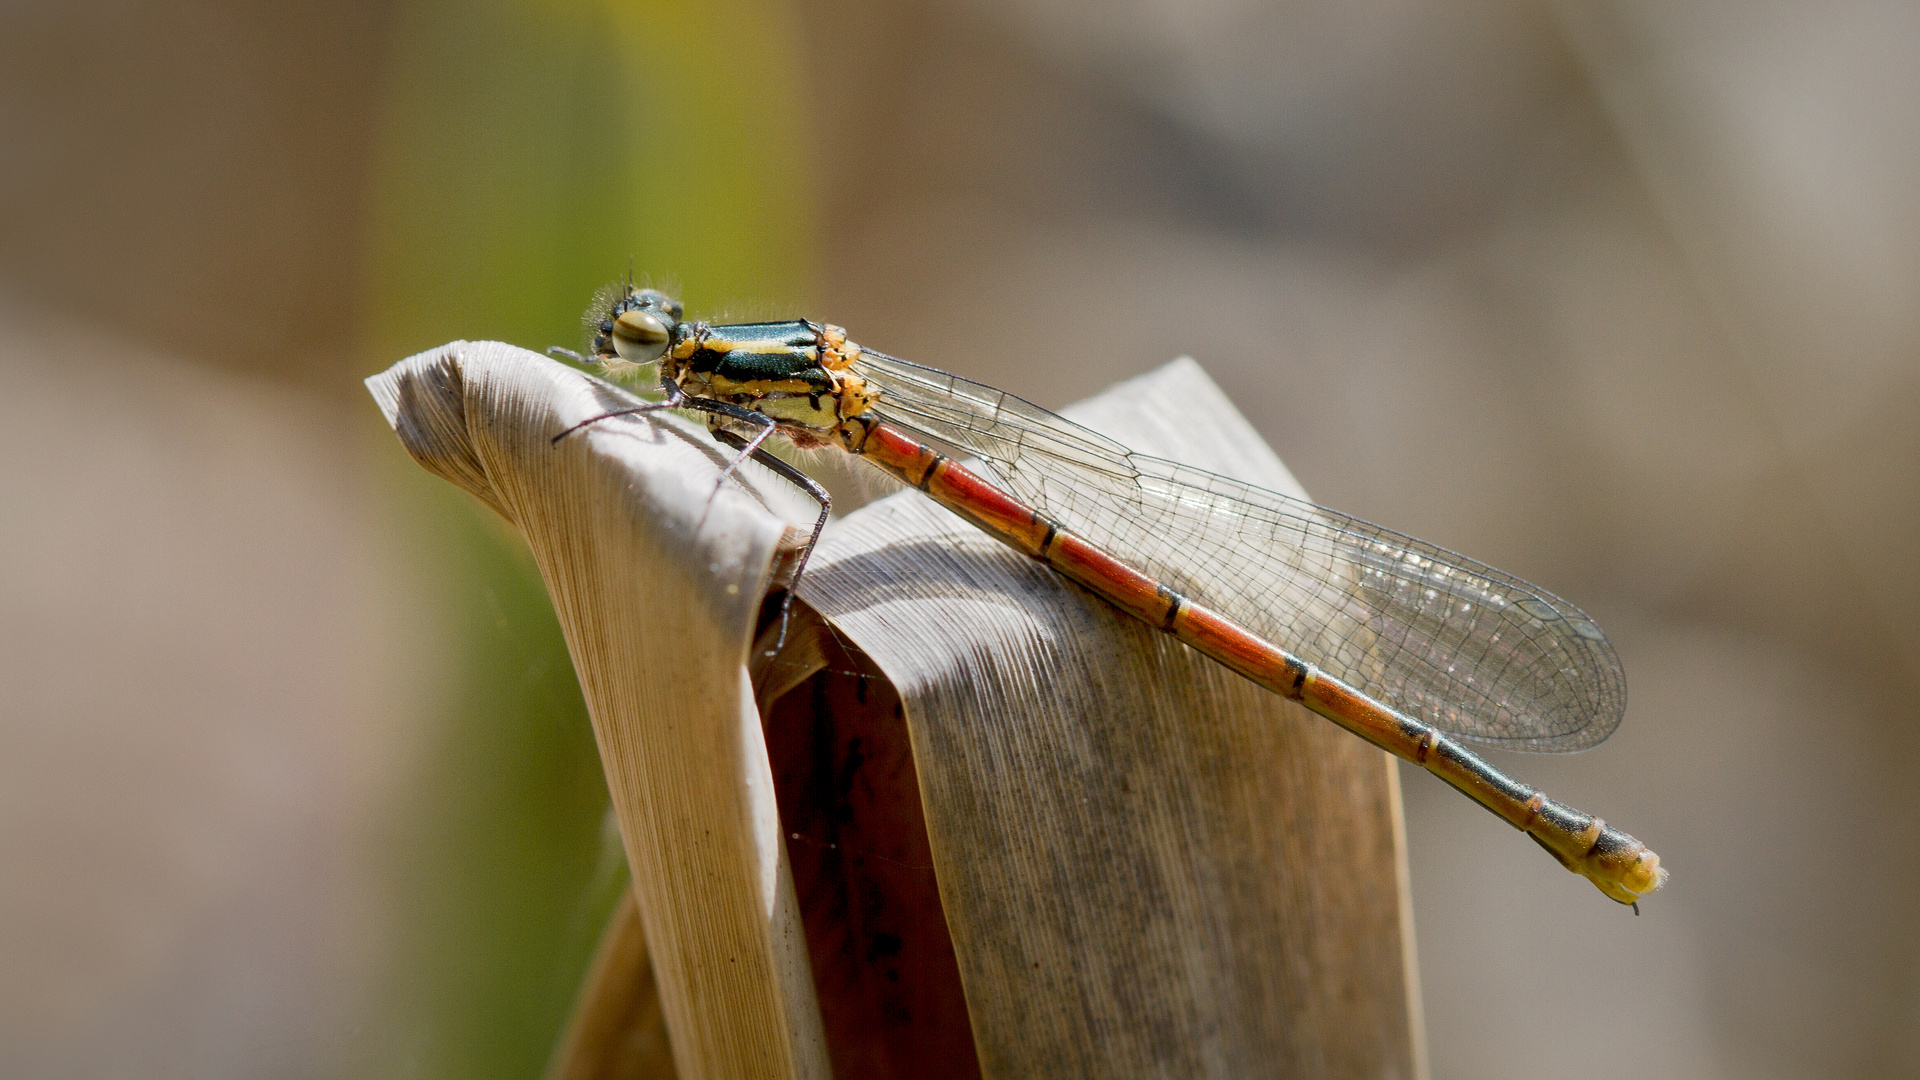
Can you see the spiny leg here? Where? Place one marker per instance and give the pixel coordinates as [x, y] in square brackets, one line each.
[676, 399]
[805, 483]
[748, 447]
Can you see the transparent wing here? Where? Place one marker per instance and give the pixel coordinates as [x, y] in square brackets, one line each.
[1471, 650]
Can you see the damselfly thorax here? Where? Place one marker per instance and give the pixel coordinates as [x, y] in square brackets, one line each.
[796, 373]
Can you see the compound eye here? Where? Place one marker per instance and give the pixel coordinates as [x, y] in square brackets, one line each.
[640, 336]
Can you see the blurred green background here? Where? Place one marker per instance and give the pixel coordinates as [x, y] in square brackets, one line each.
[589, 136]
[1617, 296]
[483, 169]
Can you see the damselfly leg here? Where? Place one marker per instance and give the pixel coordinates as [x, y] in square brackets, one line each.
[798, 479]
[748, 447]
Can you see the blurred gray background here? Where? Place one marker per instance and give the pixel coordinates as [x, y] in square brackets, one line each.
[1620, 297]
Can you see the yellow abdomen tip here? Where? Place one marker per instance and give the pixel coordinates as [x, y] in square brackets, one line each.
[1639, 878]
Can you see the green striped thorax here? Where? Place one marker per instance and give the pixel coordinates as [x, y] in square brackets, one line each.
[797, 372]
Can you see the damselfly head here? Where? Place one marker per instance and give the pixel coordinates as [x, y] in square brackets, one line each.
[632, 327]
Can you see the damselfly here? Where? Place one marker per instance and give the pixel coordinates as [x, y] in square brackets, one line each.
[1405, 644]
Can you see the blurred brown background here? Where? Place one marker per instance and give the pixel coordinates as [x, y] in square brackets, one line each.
[1618, 296]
